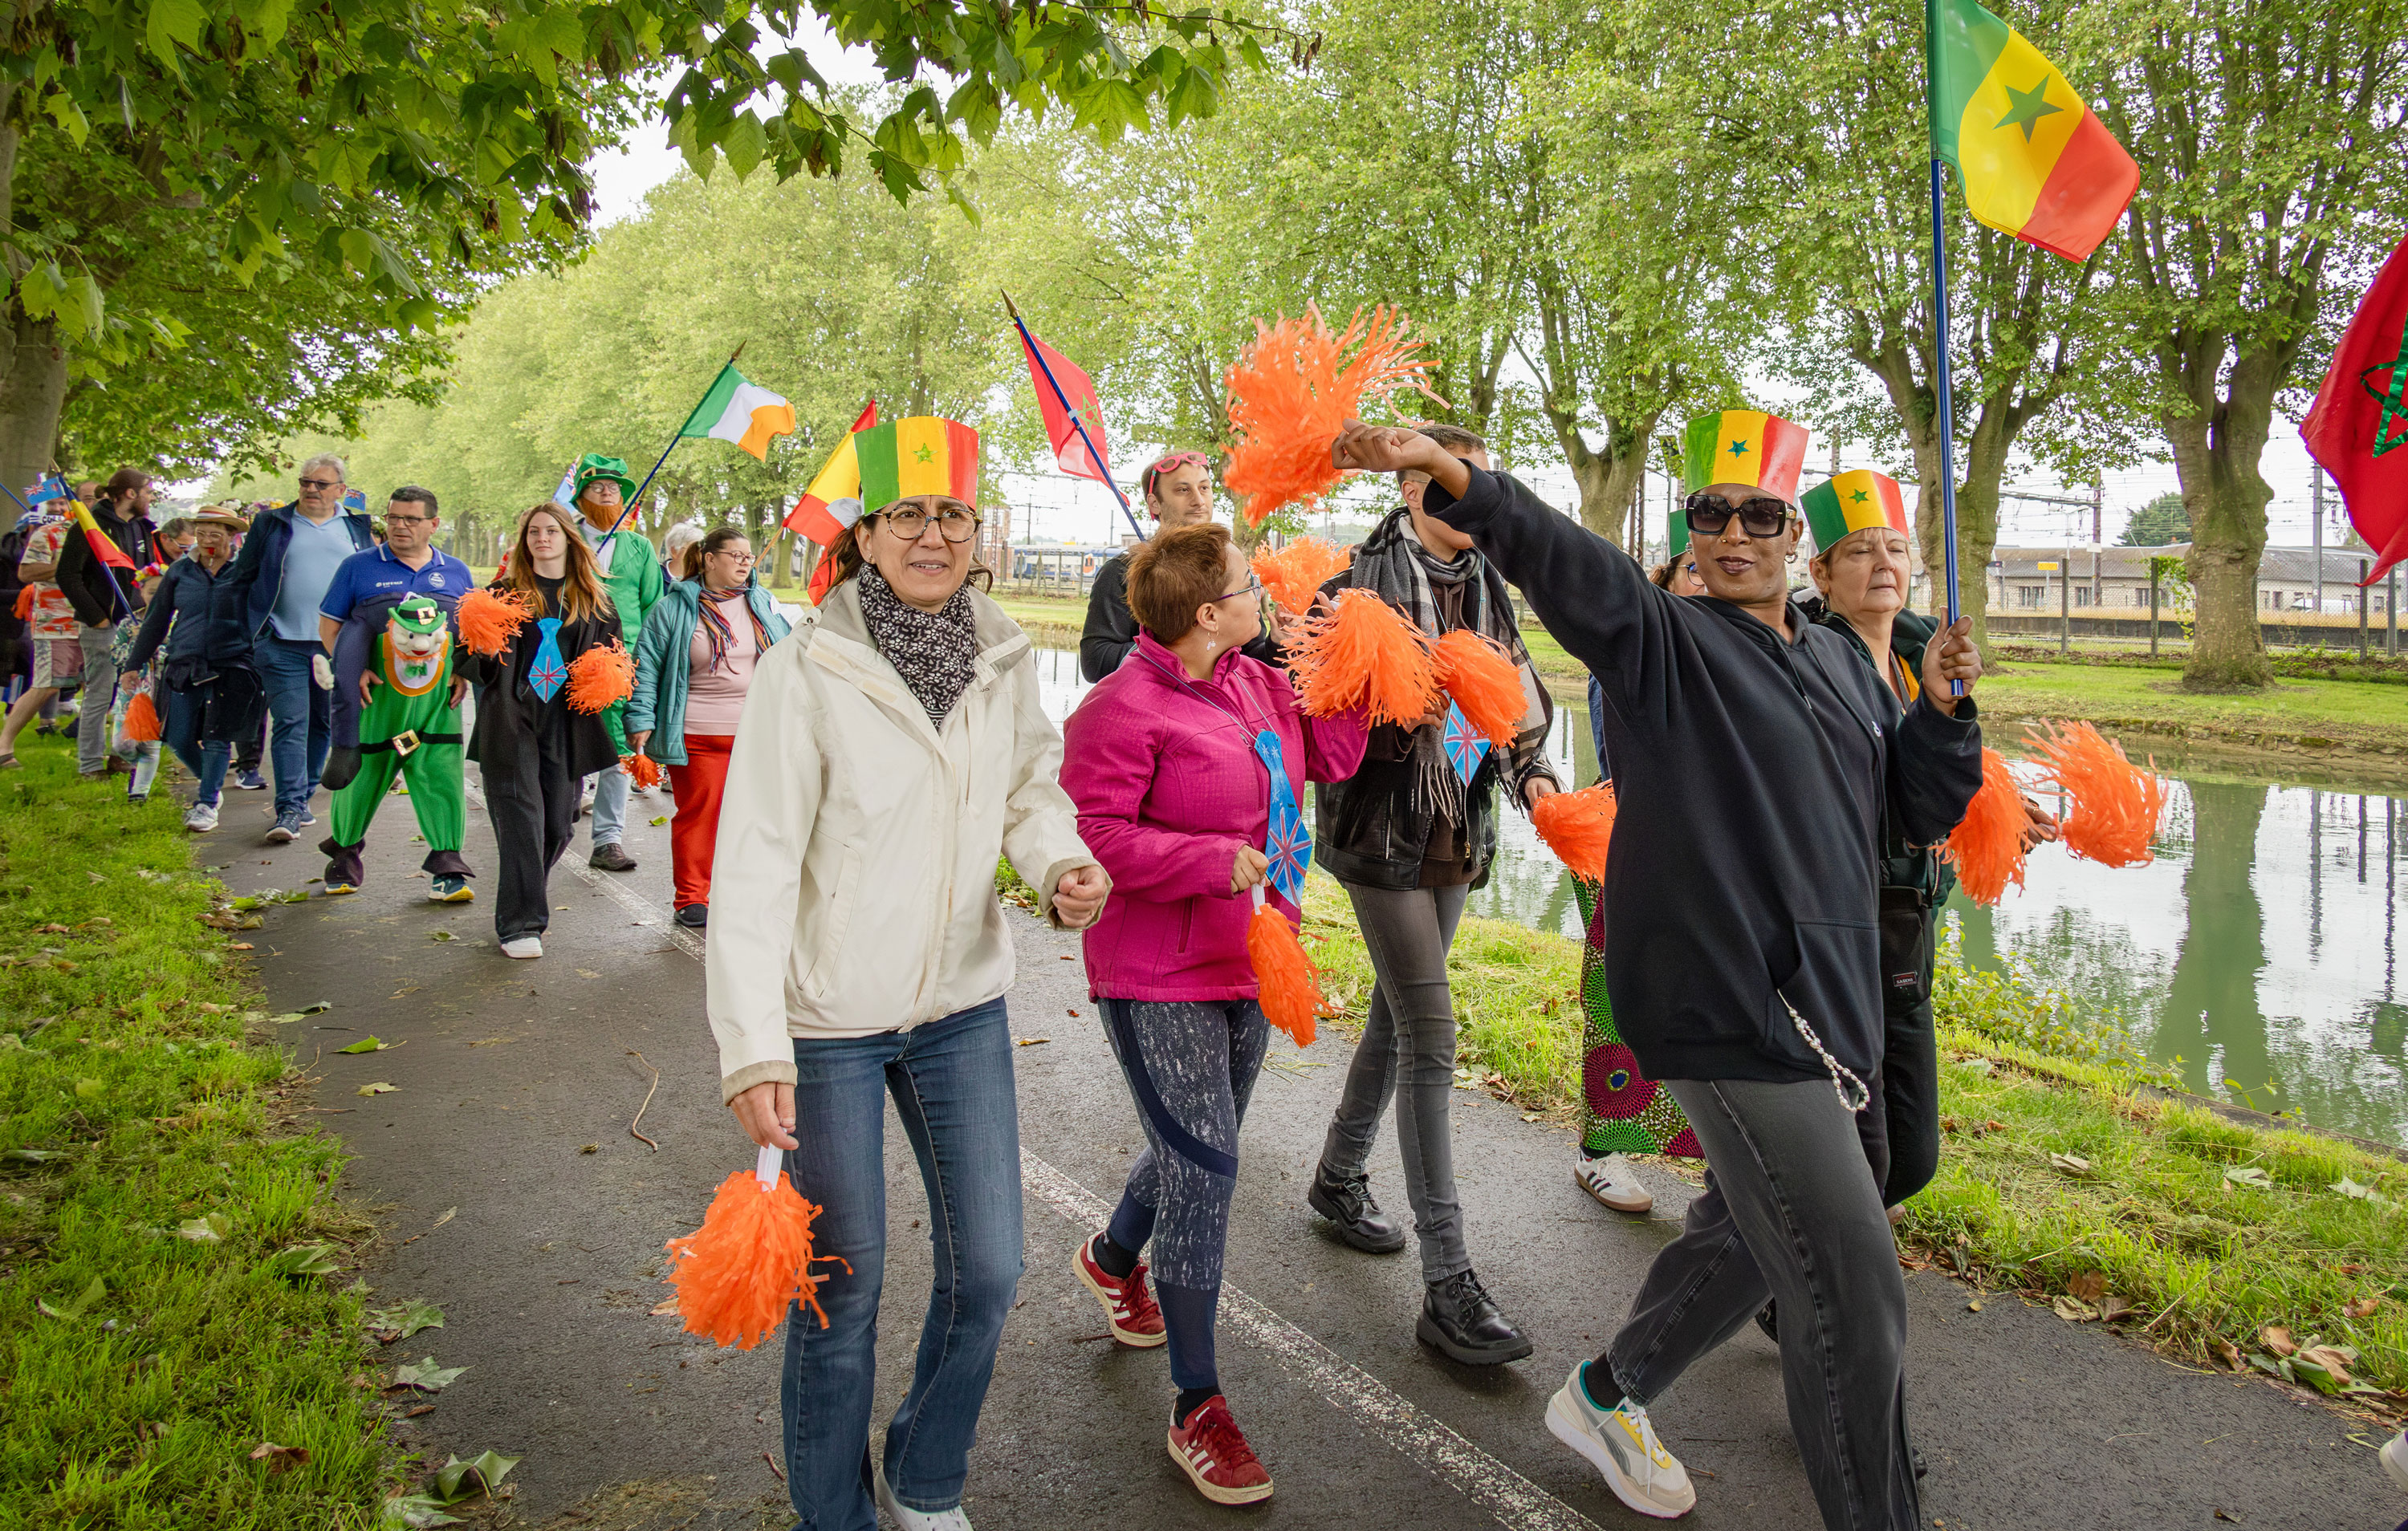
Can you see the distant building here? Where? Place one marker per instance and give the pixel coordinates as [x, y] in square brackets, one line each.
[2114, 582]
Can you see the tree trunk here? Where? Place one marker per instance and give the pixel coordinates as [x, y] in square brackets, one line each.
[1609, 479]
[33, 386]
[2216, 459]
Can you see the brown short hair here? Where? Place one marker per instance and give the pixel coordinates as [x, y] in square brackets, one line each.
[1173, 575]
[1455, 438]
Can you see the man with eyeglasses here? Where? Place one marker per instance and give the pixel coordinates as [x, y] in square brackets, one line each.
[1178, 492]
[366, 587]
[288, 561]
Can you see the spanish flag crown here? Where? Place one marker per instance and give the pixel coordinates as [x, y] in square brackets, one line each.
[1851, 502]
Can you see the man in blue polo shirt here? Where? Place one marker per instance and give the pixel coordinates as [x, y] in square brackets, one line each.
[367, 586]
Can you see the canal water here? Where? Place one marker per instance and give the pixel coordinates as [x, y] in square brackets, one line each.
[2258, 953]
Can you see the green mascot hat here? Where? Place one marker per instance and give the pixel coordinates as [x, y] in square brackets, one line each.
[594, 466]
[420, 615]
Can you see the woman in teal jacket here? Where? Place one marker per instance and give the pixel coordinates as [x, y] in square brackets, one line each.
[694, 664]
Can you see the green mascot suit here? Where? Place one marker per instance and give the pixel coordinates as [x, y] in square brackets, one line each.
[411, 722]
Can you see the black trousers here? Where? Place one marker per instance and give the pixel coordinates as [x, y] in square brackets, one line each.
[533, 816]
[1908, 1102]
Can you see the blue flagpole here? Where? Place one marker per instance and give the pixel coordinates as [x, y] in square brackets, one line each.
[1946, 418]
[1076, 424]
[638, 497]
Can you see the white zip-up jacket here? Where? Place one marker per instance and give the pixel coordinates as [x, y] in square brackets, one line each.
[853, 890]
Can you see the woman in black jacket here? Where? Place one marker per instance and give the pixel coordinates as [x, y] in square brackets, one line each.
[1744, 968]
[211, 692]
[531, 747]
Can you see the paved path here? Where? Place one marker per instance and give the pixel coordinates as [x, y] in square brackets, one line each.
[548, 1268]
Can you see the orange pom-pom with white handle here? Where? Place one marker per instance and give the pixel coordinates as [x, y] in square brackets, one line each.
[2116, 803]
[490, 619]
[641, 768]
[752, 1258]
[1578, 826]
[142, 718]
[1484, 681]
[1295, 574]
[1293, 390]
[601, 676]
[1362, 653]
[1289, 984]
[1988, 846]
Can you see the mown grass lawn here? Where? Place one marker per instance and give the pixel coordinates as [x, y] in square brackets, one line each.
[2340, 709]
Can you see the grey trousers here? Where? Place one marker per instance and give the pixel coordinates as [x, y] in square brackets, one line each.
[98, 695]
[1411, 1031]
[1792, 1212]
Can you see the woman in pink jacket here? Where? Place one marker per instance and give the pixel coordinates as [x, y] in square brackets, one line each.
[1188, 765]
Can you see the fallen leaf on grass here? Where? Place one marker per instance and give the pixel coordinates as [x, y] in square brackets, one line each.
[211, 1229]
[402, 1320]
[300, 1260]
[2070, 1164]
[371, 1044]
[280, 1458]
[2224, 1351]
[2326, 1368]
[2348, 1187]
[2363, 1308]
[2114, 1308]
[34, 1156]
[411, 1511]
[2276, 1338]
[2074, 1310]
[2089, 1285]
[82, 1303]
[379, 1088]
[426, 1375]
[2251, 1176]
[421, 1411]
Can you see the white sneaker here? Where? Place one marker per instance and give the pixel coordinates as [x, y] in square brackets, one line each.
[201, 818]
[524, 947]
[1614, 1181]
[2394, 1457]
[1621, 1443]
[919, 1520]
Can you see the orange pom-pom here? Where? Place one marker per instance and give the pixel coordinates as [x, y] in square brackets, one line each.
[1295, 387]
[25, 601]
[1290, 985]
[1295, 574]
[601, 676]
[1362, 653]
[1578, 826]
[1486, 682]
[1988, 845]
[2116, 803]
[642, 769]
[142, 718]
[736, 1276]
[490, 619]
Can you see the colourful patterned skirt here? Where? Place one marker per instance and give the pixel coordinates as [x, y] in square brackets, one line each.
[1622, 1111]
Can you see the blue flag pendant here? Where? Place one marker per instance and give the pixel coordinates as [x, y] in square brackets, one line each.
[1289, 844]
[1465, 747]
[546, 674]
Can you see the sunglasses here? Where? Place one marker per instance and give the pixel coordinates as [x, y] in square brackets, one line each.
[321, 483]
[1172, 464]
[1709, 514]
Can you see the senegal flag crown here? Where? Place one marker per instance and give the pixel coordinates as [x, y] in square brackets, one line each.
[1855, 500]
[1744, 447]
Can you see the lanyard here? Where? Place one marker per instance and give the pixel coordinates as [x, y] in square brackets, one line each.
[1287, 844]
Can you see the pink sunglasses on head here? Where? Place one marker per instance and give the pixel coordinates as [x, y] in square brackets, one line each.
[1172, 464]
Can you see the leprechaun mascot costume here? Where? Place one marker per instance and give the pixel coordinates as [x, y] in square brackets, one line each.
[631, 572]
[411, 721]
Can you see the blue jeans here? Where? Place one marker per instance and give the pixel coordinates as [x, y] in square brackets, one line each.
[303, 719]
[181, 730]
[951, 1083]
[611, 806]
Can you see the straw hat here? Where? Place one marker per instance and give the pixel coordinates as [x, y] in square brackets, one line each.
[230, 515]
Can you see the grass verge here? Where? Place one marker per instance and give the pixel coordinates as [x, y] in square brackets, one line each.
[169, 1244]
[2301, 712]
[2067, 1174]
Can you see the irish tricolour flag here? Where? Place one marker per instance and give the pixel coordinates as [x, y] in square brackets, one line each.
[742, 412]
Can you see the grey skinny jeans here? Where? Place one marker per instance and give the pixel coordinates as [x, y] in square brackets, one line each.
[1792, 1212]
[1411, 1024]
[98, 695]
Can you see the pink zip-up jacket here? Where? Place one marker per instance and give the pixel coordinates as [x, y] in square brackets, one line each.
[1168, 787]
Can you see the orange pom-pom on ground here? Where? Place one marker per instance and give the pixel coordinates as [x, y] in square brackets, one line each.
[1988, 845]
[601, 676]
[490, 619]
[751, 1257]
[1290, 985]
[1578, 826]
[642, 769]
[2116, 803]
[1484, 681]
[1362, 653]
[142, 718]
[1295, 387]
[1296, 573]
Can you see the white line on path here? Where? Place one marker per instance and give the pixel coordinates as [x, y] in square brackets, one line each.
[1517, 1503]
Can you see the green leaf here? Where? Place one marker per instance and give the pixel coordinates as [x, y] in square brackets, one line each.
[744, 144]
[173, 22]
[211, 1229]
[560, 30]
[83, 1303]
[377, 1088]
[33, 1156]
[63, 111]
[266, 18]
[300, 1260]
[685, 137]
[2348, 1187]
[409, 1511]
[458, 1480]
[426, 1375]
[1194, 96]
[2251, 1176]
[406, 1319]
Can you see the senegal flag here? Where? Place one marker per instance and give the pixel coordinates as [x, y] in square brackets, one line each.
[2036, 162]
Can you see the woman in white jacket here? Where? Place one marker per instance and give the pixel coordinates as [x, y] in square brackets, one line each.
[891, 749]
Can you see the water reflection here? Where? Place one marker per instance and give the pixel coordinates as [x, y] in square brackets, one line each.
[2260, 947]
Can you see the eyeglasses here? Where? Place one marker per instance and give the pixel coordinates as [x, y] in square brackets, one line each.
[744, 556]
[321, 483]
[391, 520]
[955, 525]
[1255, 588]
[1762, 515]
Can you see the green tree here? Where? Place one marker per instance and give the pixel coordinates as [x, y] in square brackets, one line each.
[2157, 523]
[2273, 141]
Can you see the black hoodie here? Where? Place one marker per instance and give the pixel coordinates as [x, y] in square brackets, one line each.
[1754, 776]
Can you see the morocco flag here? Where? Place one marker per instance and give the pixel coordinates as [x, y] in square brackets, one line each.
[2359, 426]
[1062, 423]
[2035, 160]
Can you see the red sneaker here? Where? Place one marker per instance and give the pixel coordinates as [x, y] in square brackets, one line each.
[1128, 1307]
[1215, 1453]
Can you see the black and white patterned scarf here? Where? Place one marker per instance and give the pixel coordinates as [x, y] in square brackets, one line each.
[935, 653]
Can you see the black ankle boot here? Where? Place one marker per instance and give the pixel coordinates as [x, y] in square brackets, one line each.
[1460, 1319]
[341, 765]
[1348, 1204]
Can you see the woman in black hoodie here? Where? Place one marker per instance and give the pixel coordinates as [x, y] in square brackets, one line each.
[1745, 970]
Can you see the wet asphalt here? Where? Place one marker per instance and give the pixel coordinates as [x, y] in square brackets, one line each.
[508, 1192]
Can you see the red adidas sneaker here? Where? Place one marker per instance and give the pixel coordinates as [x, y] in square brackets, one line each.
[1128, 1305]
[1215, 1453]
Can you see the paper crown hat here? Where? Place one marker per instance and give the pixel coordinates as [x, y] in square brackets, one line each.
[1744, 447]
[870, 469]
[419, 614]
[1851, 502]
